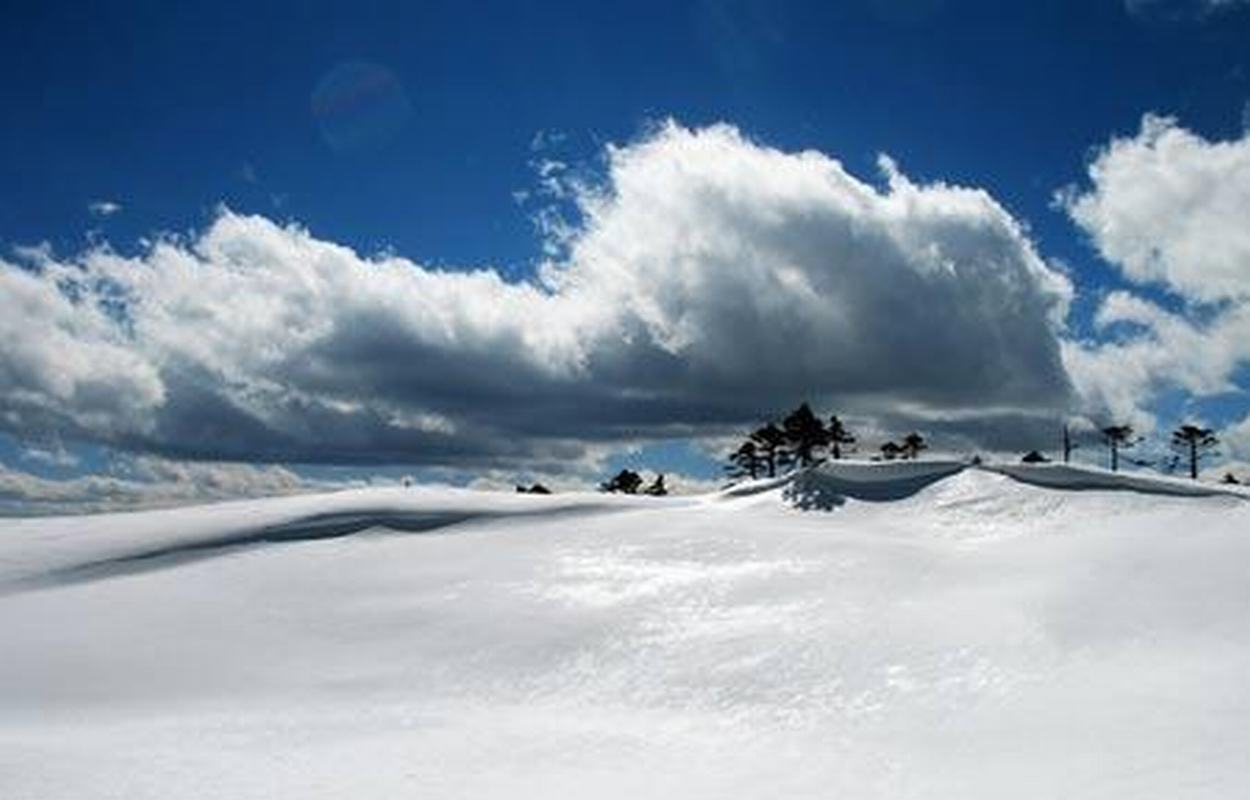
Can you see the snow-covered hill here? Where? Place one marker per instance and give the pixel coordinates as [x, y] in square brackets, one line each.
[865, 631]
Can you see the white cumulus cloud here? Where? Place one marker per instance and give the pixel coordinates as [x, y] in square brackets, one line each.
[1169, 207]
[710, 279]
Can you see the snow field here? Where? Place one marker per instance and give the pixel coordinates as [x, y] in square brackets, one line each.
[956, 633]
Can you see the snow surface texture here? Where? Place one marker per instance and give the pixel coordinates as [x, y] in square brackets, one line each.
[941, 632]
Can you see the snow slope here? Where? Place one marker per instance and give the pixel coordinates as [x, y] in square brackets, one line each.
[937, 632]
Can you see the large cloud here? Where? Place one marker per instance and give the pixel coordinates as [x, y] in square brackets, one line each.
[1166, 207]
[709, 280]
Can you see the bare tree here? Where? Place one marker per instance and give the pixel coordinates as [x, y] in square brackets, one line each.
[1068, 445]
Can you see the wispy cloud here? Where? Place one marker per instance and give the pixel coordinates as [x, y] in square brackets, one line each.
[104, 208]
[1181, 9]
[53, 456]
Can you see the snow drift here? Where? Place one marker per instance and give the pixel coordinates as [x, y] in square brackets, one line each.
[944, 632]
[1064, 476]
[831, 484]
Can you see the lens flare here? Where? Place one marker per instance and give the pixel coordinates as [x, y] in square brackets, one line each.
[360, 106]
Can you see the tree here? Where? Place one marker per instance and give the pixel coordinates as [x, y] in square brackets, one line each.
[891, 451]
[657, 487]
[770, 443]
[1068, 445]
[1034, 457]
[1117, 438]
[804, 433]
[913, 443]
[838, 435]
[625, 482]
[1230, 479]
[1195, 443]
[536, 488]
[745, 461]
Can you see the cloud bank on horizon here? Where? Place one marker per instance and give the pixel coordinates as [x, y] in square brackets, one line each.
[145, 481]
[709, 279]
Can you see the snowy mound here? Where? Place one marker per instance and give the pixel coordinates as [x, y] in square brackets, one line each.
[974, 637]
[1065, 476]
[829, 485]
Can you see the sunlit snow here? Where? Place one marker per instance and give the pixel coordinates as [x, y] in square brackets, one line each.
[959, 634]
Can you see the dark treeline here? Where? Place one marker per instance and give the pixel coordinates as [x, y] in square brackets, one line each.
[802, 438]
[629, 482]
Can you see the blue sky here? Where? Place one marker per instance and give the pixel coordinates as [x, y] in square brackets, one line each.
[422, 130]
[170, 109]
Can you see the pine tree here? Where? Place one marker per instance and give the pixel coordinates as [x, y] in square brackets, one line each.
[805, 434]
[1117, 438]
[1195, 443]
[913, 443]
[745, 461]
[536, 488]
[838, 435]
[625, 482]
[891, 451]
[770, 444]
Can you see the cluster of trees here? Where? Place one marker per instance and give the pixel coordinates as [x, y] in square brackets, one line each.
[802, 438]
[629, 482]
[1190, 444]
